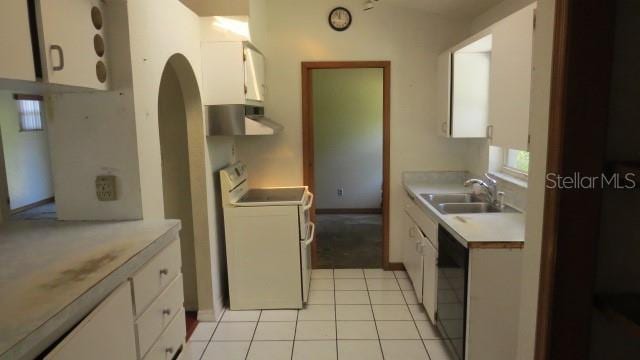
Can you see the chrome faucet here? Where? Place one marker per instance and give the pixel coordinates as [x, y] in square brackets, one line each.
[496, 198]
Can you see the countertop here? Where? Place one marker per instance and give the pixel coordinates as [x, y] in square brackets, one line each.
[485, 230]
[53, 273]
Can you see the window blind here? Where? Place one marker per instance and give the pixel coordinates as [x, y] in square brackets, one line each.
[29, 111]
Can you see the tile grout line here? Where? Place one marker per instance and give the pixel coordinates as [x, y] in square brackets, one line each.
[253, 335]
[375, 323]
[335, 311]
[416, 326]
[212, 334]
[295, 329]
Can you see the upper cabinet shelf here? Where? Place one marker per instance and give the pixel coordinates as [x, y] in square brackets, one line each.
[55, 42]
[484, 83]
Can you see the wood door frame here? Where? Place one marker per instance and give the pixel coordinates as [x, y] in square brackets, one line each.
[578, 115]
[308, 138]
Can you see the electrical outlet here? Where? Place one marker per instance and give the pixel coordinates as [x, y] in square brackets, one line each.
[340, 192]
[106, 187]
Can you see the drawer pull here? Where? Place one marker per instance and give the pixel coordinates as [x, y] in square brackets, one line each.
[169, 350]
[164, 272]
[166, 312]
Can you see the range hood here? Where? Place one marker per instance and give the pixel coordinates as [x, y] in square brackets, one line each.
[239, 120]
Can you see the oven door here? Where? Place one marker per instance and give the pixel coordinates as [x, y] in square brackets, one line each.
[305, 215]
[305, 256]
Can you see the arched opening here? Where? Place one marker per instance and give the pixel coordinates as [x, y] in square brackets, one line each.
[182, 147]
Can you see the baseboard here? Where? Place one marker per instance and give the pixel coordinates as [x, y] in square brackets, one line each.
[207, 316]
[394, 266]
[33, 205]
[349, 211]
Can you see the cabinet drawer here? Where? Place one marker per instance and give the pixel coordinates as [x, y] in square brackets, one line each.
[170, 341]
[428, 226]
[151, 323]
[155, 276]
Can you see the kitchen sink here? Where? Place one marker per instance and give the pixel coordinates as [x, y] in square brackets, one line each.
[463, 204]
[436, 199]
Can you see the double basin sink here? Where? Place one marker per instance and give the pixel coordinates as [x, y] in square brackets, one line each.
[463, 204]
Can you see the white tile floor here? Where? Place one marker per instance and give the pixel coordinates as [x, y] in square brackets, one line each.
[352, 314]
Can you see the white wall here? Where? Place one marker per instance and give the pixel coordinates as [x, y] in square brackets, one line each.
[409, 39]
[496, 13]
[152, 44]
[27, 162]
[93, 133]
[175, 175]
[347, 118]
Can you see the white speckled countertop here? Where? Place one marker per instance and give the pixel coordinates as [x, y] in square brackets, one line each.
[486, 230]
[53, 273]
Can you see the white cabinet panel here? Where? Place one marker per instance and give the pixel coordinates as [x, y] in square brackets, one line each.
[443, 106]
[430, 279]
[511, 67]
[232, 73]
[16, 55]
[105, 334]
[254, 75]
[222, 73]
[412, 256]
[70, 33]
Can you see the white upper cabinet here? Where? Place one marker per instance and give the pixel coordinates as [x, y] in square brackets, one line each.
[484, 83]
[511, 68]
[463, 88]
[72, 43]
[232, 73]
[16, 56]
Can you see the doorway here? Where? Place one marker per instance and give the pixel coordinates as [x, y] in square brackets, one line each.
[182, 150]
[346, 115]
[27, 177]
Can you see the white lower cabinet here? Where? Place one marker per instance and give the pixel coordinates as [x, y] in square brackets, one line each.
[113, 317]
[170, 342]
[143, 318]
[420, 254]
[158, 297]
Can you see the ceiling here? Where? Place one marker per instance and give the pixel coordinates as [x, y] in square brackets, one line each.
[452, 8]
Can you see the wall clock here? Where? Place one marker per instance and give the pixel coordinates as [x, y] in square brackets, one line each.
[340, 19]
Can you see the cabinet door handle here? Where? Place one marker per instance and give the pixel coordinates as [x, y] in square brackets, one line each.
[166, 312]
[169, 350]
[490, 132]
[443, 127]
[412, 232]
[419, 247]
[58, 49]
[164, 271]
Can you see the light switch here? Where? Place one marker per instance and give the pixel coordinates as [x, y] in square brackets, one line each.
[106, 187]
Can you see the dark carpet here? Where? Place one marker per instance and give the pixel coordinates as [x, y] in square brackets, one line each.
[349, 241]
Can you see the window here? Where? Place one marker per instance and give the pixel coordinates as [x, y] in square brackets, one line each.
[29, 112]
[516, 162]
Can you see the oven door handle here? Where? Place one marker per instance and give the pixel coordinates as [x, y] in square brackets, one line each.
[312, 234]
[309, 203]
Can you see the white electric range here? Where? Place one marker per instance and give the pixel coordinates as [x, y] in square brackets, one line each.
[268, 235]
